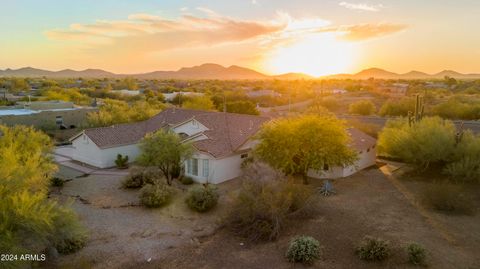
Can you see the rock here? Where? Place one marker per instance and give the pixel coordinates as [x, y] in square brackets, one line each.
[52, 254]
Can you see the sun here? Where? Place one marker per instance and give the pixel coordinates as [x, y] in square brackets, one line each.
[316, 55]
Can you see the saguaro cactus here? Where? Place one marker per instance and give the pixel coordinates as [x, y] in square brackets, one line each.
[417, 115]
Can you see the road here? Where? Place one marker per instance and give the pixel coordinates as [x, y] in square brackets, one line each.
[471, 125]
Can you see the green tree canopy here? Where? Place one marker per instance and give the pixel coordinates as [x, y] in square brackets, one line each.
[29, 221]
[363, 107]
[198, 102]
[165, 150]
[242, 107]
[296, 145]
[429, 141]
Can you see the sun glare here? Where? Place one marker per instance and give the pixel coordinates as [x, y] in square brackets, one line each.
[316, 55]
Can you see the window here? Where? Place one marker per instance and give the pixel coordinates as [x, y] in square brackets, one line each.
[59, 120]
[192, 167]
[326, 167]
[243, 156]
[205, 168]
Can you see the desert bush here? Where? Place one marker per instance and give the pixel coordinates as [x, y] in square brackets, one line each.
[456, 108]
[69, 235]
[465, 163]
[30, 221]
[262, 206]
[363, 107]
[155, 195]
[202, 198]
[373, 249]
[416, 254]
[138, 177]
[397, 107]
[304, 249]
[429, 141]
[121, 161]
[448, 197]
[186, 180]
[57, 182]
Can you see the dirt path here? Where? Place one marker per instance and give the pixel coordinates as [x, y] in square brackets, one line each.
[388, 171]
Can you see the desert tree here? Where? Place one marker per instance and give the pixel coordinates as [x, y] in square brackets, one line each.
[296, 145]
[164, 149]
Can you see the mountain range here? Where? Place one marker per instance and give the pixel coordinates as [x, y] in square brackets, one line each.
[215, 71]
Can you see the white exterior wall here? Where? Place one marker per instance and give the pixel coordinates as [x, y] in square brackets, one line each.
[85, 151]
[365, 159]
[109, 155]
[220, 170]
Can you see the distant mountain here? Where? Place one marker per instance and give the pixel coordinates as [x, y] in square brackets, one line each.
[215, 71]
[384, 74]
[293, 76]
[67, 73]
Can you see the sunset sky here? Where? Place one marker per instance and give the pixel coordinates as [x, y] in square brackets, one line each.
[272, 36]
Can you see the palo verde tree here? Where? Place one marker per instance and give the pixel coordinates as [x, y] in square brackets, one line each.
[165, 150]
[296, 145]
[29, 221]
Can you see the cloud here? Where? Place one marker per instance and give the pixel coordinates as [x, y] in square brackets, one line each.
[361, 6]
[359, 32]
[142, 36]
[156, 33]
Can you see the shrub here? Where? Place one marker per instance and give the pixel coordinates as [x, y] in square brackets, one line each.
[448, 197]
[363, 107]
[201, 198]
[465, 164]
[428, 142]
[304, 249]
[262, 206]
[373, 249]
[397, 107]
[186, 180]
[121, 162]
[155, 195]
[138, 177]
[416, 254]
[69, 236]
[57, 182]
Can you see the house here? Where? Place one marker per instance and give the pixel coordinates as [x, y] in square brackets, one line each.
[171, 96]
[221, 140]
[45, 114]
[365, 146]
[261, 93]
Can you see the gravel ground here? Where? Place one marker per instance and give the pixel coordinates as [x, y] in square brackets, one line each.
[366, 204]
[123, 232]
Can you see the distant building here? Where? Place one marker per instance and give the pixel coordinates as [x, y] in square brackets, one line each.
[45, 114]
[170, 96]
[128, 92]
[395, 89]
[261, 93]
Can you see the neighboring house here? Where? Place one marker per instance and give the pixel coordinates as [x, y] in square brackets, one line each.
[396, 89]
[261, 93]
[221, 141]
[171, 96]
[45, 115]
[365, 146]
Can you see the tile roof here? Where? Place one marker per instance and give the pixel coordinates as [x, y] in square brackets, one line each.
[227, 131]
[360, 140]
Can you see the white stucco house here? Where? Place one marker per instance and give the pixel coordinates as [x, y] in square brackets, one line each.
[221, 140]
